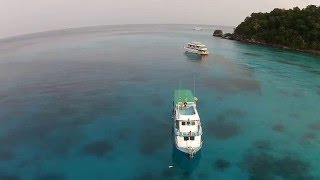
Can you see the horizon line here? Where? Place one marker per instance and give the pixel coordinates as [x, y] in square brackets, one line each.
[95, 26]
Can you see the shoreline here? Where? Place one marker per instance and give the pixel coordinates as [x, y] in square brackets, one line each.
[252, 41]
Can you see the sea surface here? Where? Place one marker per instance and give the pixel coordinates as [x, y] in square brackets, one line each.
[96, 103]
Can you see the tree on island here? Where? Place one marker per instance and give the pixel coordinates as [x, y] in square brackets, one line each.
[294, 28]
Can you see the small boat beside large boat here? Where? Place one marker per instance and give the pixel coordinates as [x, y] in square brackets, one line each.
[196, 48]
[186, 122]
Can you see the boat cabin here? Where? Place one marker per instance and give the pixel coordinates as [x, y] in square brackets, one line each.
[196, 45]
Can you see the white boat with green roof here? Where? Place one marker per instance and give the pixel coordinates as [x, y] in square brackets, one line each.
[187, 125]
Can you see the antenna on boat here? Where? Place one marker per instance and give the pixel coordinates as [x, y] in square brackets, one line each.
[179, 90]
[194, 89]
[194, 85]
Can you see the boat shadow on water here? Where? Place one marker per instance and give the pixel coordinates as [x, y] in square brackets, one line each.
[195, 57]
[183, 161]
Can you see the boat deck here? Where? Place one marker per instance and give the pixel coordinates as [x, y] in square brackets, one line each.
[187, 111]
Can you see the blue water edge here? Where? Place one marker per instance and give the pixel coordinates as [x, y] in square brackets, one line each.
[96, 103]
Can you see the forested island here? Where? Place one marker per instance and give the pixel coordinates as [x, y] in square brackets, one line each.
[297, 29]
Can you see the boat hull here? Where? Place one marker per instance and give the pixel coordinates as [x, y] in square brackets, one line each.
[195, 51]
[189, 50]
[189, 151]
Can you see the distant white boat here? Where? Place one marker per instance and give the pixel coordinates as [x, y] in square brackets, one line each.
[186, 122]
[196, 48]
[197, 28]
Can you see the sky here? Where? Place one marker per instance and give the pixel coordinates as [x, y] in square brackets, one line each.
[28, 16]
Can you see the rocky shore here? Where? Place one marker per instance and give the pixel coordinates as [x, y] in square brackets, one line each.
[231, 36]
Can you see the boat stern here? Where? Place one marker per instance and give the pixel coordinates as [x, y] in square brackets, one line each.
[203, 52]
[187, 146]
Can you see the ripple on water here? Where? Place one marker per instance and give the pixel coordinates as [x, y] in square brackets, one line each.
[318, 89]
[154, 141]
[6, 155]
[146, 176]
[203, 175]
[61, 133]
[52, 176]
[124, 134]
[156, 100]
[169, 173]
[9, 177]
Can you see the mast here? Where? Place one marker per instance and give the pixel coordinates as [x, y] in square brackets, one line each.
[179, 91]
[194, 85]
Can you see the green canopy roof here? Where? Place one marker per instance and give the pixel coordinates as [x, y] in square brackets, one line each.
[183, 95]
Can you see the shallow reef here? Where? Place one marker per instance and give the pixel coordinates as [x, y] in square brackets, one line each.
[98, 148]
[154, 141]
[278, 127]
[252, 54]
[266, 166]
[315, 125]
[262, 144]
[221, 164]
[294, 115]
[223, 128]
[232, 85]
[308, 136]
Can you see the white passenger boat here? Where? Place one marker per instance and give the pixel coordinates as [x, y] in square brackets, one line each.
[186, 122]
[196, 48]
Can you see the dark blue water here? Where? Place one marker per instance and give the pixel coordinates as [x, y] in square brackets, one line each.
[95, 103]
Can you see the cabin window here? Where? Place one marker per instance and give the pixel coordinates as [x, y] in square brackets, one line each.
[183, 123]
[193, 123]
[188, 123]
[192, 138]
[186, 138]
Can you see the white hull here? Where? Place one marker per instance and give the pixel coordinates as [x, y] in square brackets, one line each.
[187, 147]
[195, 51]
[189, 50]
[191, 150]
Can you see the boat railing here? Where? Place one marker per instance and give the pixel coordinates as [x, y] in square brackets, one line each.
[183, 134]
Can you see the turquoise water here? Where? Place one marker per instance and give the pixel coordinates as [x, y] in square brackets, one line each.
[96, 103]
